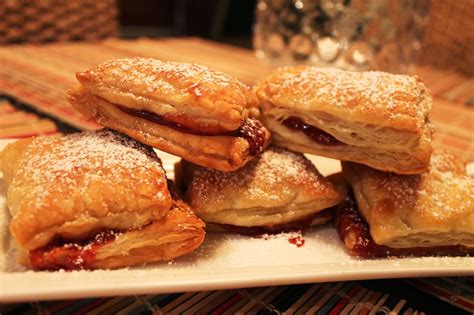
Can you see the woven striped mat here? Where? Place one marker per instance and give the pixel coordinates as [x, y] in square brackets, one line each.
[325, 298]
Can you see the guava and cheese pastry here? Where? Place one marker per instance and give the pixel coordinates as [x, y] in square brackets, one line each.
[272, 192]
[188, 110]
[429, 210]
[354, 231]
[374, 118]
[93, 199]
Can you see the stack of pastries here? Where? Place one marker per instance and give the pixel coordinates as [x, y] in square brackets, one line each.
[398, 199]
[95, 199]
[100, 199]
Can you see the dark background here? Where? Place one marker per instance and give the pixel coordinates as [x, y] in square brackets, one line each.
[228, 21]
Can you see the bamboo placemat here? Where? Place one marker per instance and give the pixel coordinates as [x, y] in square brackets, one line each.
[39, 75]
[17, 123]
[355, 297]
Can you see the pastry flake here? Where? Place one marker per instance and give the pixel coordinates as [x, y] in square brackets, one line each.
[176, 234]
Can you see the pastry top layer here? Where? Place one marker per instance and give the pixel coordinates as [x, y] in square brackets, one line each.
[371, 97]
[277, 178]
[75, 185]
[170, 88]
[399, 207]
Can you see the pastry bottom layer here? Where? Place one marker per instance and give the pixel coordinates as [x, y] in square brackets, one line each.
[179, 233]
[225, 152]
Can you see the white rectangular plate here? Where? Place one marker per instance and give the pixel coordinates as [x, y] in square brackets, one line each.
[224, 261]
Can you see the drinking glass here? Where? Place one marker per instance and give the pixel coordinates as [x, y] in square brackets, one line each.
[350, 34]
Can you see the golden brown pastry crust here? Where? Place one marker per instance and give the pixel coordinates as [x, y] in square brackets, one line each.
[74, 186]
[9, 156]
[178, 233]
[431, 209]
[225, 152]
[355, 233]
[387, 100]
[171, 88]
[277, 187]
[379, 119]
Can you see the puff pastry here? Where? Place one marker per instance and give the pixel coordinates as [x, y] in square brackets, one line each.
[374, 118]
[426, 210]
[355, 233]
[176, 234]
[188, 110]
[94, 199]
[276, 189]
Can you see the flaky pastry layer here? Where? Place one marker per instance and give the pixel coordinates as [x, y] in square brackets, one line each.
[355, 233]
[410, 160]
[277, 187]
[171, 89]
[374, 98]
[73, 186]
[435, 208]
[178, 233]
[376, 118]
[225, 152]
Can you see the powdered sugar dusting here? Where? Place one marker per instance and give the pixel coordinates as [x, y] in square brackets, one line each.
[270, 176]
[219, 257]
[164, 76]
[367, 91]
[445, 193]
[76, 161]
